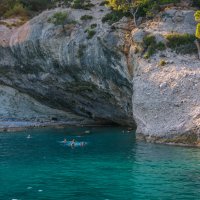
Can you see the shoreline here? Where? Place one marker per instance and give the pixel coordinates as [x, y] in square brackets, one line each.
[179, 140]
[17, 126]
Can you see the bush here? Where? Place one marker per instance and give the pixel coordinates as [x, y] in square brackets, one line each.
[181, 43]
[149, 40]
[162, 63]
[21, 7]
[113, 17]
[196, 3]
[86, 17]
[90, 33]
[36, 5]
[149, 52]
[103, 3]
[150, 46]
[146, 8]
[92, 26]
[82, 4]
[160, 46]
[60, 18]
[175, 40]
[17, 10]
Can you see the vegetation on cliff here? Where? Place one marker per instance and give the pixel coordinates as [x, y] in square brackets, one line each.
[140, 8]
[29, 8]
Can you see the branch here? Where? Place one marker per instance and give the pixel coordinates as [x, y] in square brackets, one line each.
[134, 16]
[198, 47]
[132, 11]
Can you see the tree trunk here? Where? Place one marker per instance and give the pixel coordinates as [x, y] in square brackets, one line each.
[132, 11]
[134, 16]
[198, 47]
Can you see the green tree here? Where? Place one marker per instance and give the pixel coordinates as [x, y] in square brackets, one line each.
[36, 5]
[145, 8]
[130, 6]
[197, 34]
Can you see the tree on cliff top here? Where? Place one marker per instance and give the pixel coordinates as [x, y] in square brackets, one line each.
[144, 8]
[125, 6]
[197, 19]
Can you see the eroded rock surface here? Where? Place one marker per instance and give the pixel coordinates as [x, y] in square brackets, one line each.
[65, 70]
[166, 100]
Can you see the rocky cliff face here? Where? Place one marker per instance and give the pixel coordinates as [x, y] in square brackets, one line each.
[166, 101]
[65, 70]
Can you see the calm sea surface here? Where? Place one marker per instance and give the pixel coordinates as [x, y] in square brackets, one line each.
[112, 166]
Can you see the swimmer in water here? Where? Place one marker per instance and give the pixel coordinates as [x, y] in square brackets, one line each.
[65, 141]
[29, 136]
[82, 144]
[73, 142]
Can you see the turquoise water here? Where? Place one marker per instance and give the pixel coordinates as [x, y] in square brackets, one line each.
[113, 166]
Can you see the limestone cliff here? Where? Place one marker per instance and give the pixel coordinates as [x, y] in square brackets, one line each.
[166, 100]
[66, 70]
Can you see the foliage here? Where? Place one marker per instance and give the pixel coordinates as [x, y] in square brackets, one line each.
[196, 3]
[145, 8]
[197, 15]
[32, 7]
[17, 10]
[82, 4]
[197, 34]
[120, 4]
[160, 46]
[174, 40]
[92, 26]
[112, 17]
[86, 17]
[149, 40]
[59, 18]
[181, 43]
[36, 5]
[150, 46]
[103, 3]
[91, 33]
[162, 63]
[21, 7]
[197, 19]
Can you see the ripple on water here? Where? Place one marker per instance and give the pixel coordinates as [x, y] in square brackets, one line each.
[113, 166]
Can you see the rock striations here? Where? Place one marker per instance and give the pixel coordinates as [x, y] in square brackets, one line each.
[65, 70]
